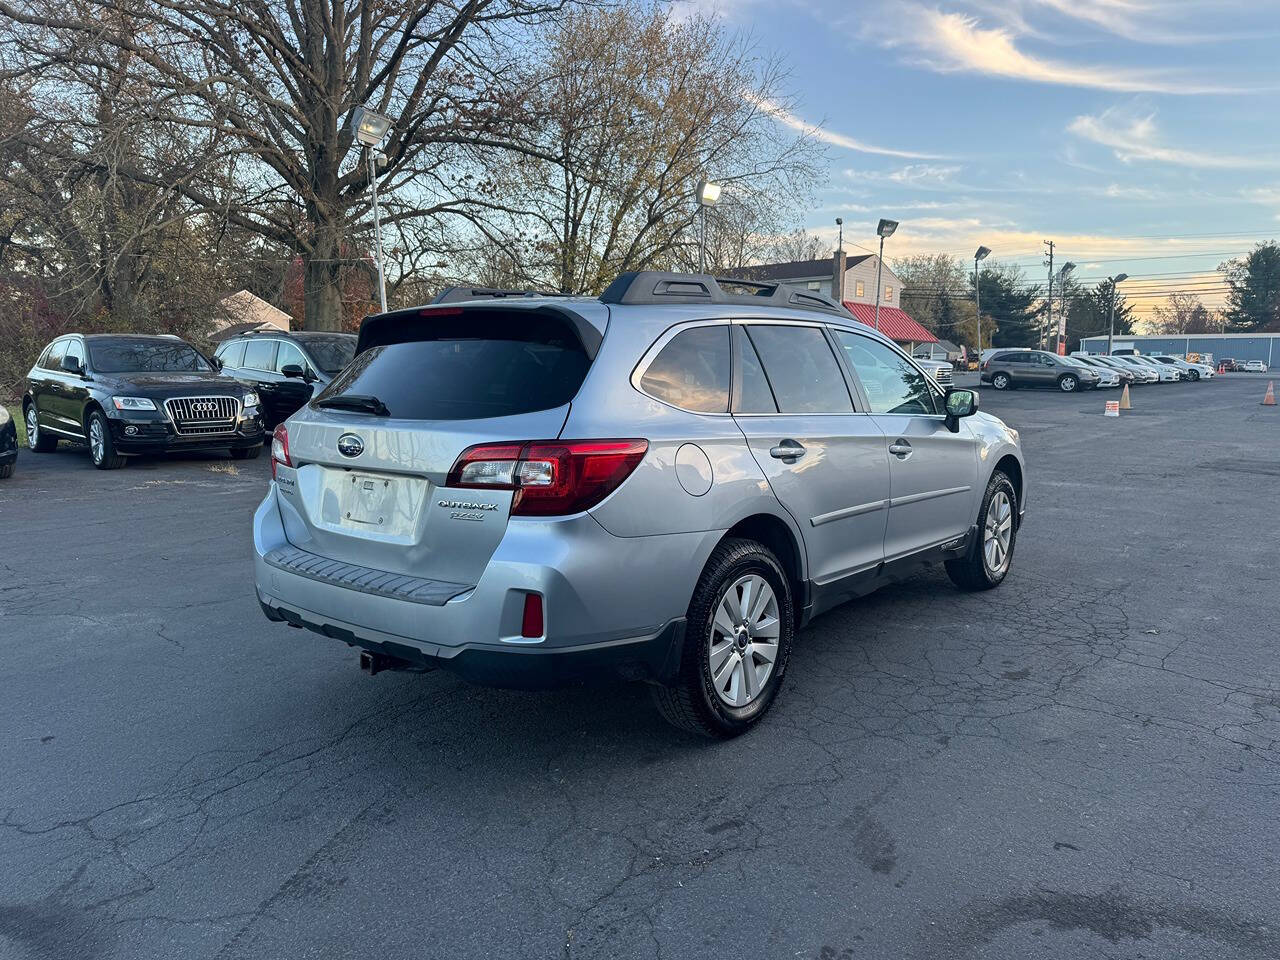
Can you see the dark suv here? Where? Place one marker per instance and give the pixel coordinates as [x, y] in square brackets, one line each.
[285, 368]
[129, 394]
[1036, 368]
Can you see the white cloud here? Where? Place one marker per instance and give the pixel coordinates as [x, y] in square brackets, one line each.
[913, 175]
[1135, 138]
[950, 42]
[836, 139]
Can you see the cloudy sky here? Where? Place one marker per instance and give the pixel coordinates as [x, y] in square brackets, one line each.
[1142, 136]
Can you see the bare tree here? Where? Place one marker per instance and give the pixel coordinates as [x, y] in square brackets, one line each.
[798, 245]
[625, 132]
[1184, 313]
[264, 93]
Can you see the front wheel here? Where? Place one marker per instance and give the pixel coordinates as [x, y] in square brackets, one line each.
[6, 471]
[1001, 381]
[737, 642]
[1195, 374]
[1068, 383]
[102, 449]
[989, 558]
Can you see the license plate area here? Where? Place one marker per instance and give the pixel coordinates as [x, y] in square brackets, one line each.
[368, 502]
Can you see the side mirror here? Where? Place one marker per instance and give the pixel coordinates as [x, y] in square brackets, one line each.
[72, 365]
[960, 404]
[216, 363]
[294, 371]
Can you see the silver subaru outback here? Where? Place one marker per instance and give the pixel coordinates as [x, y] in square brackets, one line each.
[665, 483]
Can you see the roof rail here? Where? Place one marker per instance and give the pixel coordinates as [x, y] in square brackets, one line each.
[460, 294]
[658, 286]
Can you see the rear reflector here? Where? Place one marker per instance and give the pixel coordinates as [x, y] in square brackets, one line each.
[531, 623]
[549, 477]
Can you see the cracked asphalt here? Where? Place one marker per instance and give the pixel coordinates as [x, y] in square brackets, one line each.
[1080, 764]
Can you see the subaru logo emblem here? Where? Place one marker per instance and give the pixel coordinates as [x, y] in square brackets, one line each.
[349, 445]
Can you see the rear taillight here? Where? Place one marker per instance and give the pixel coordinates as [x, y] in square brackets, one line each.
[280, 449]
[549, 477]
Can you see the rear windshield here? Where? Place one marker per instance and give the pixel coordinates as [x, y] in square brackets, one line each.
[145, 356]
[331, 353]
[470, 368]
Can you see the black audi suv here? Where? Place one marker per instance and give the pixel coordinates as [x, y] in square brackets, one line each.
[130, 394]
[8, 443]
[286, 368]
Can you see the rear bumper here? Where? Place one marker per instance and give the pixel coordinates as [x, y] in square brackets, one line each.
[655, 657]
[612, 605]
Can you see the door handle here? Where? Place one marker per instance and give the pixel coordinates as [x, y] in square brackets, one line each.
[900, 449]
[789, 451]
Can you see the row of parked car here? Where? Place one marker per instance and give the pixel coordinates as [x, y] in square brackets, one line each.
[1009, 369]
[127, 394]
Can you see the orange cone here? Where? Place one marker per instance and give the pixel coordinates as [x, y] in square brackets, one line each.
[1270, 399]
[1124, 399]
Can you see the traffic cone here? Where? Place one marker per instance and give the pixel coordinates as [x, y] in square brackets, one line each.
[1270, 399]
[1124, 399]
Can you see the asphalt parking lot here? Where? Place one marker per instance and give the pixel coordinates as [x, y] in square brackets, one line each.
[1080, 764]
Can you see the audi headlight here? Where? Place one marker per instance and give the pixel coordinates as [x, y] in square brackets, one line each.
[250, 400]
[133, 403]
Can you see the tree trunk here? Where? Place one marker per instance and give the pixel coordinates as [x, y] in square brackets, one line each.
[322, 276]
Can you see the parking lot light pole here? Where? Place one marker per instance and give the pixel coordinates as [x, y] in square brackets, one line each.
[1060, 347]
[371, 130]
[708, 196]
[980, 254]
[1111, 320]
[884, 229]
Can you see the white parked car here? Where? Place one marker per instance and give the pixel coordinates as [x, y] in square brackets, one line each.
[1255, 366]
[1166, 373]
[1148, 371]
[1189, 371]
[1107, 377]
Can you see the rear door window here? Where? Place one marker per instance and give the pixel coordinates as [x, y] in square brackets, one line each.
[476, 365]
[692, 371]
[802, 371]
[54, 360]
[231, 354]
[260, 354]
[752, 393]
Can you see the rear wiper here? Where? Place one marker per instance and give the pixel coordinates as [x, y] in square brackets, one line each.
[356, 401]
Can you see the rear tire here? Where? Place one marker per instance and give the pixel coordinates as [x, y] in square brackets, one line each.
[246, 453]
[983, 568]
[1067, 383]
[1001, 381]
[7, 471]
[38, 440]
[102, 449]
[702, 701]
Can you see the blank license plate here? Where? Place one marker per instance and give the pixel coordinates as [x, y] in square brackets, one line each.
[368, 501]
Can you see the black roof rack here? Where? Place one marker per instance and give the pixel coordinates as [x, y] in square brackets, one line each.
[459, 294]
[658, 286]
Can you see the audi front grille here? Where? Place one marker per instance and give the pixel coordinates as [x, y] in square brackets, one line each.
[203, 416]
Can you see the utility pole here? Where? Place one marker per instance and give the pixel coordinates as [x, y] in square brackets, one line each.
[1044, 340]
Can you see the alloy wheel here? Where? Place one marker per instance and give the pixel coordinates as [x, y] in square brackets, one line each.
[96, 444]
[1067, 384]
[744, 639]
[33, 426]
[997, 532]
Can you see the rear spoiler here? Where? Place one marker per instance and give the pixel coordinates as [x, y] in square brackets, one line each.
[508, 321]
